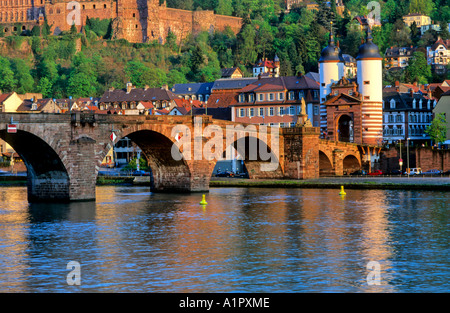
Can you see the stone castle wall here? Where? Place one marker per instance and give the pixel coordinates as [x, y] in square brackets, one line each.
[133, 20]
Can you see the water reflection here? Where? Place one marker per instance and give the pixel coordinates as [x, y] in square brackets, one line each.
[244, 240]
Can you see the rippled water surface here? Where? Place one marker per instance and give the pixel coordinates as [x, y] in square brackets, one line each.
[244, 240]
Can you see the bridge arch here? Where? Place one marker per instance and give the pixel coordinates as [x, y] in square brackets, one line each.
[156, 142]
[260, 160]
[351, 163]
[48, 177]
[325, 164]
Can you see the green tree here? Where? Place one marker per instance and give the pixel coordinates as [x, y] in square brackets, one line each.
[418, 69]
[45, 87]
[8, 82]
[246, 52]
[437, 130]
[25, 81]
[224, 7]
[421, 6]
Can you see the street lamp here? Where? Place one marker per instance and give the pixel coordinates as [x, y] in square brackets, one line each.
[407, 157]
[400, 161]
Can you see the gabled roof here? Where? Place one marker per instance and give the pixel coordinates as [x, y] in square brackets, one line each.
[192, 88]
[281, 84]
[440, 41]
[138, 94]
[265, 63]
[341, 98]
[233, 83]
[404, 100]
[228, 72]
[5, 96]
[27, 105]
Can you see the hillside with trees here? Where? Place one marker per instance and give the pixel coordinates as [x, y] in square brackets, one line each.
[87, 63]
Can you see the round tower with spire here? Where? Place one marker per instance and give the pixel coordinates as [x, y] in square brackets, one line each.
[331, 70]
[370, 86]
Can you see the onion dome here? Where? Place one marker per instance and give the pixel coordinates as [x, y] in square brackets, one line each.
[368, 50]
[331, 53]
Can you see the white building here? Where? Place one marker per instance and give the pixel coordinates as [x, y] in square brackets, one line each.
[438, 55]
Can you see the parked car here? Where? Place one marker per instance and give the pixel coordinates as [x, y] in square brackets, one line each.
[242, 175]
[225, 174]
[432, 172]
[376, 173]
[414, 171]
[140, 173]
[395, 172]
[360, 172]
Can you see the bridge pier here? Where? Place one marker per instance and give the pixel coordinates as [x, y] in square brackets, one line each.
[301, 152]
[48, 188]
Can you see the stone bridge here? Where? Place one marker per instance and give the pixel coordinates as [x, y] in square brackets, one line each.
[63, 152]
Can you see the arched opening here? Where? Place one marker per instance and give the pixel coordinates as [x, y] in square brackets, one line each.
[325, 166]
[167, 174]
[345, 128]
[351, 164]
[47, 177]
[256, 159]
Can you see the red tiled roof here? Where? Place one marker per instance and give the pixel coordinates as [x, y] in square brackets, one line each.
[4, 96]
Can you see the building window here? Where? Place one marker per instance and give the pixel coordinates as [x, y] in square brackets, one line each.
[281, 110]
[241, 98]
[280, 96]
[261, 111]
[301, 94]
[366, 82]
[251, 112]
[366, 97]
[292, 110]
[316, 110]
[241, 112]
[271, 111]
[270, 96]
[260, 97]
[291, 95]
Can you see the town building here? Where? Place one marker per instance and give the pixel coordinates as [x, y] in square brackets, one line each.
[133, 20]
[224, 91]
[407, 115]
[126, 101]
[350, 68]
[443, 106]
[418, 18]
[366, 22]
[398, 57]
[193, 91]
[233, 72]
[265, 67]
[276, 101]
[438, 55]
[39, 106]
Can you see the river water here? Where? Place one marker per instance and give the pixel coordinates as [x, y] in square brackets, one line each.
[244, 240]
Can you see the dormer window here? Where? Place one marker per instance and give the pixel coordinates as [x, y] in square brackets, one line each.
[392, 103]
[34, 106]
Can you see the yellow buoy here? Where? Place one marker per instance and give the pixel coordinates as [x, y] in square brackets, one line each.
[342, 193]
[203, 202]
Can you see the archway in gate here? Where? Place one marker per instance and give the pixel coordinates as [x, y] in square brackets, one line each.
[345, 128]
